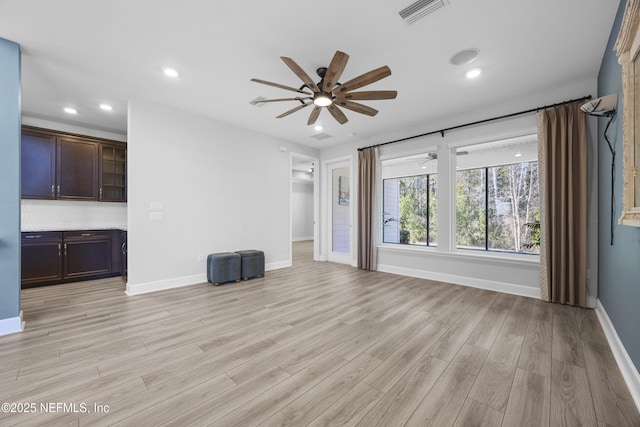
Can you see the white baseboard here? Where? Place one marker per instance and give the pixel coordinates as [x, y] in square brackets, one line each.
[508, 288]
[301, 239]
[178, 282]
[278, 265]
[161, 285]
[11, 325]
[627, 368]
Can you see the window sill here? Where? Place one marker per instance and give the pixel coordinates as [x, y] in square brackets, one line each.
[468, 255]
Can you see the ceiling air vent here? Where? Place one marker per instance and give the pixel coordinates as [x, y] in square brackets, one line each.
[321, 136]
[419, 9]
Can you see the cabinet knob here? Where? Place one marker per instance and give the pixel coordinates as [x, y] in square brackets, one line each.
[59, 249]
[65, 249]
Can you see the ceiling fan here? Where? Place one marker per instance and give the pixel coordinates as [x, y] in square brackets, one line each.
[329, 93]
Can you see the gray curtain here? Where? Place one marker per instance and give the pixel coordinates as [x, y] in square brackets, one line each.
[562, 139]
[367, 179]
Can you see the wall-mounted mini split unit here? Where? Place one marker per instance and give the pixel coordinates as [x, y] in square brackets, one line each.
[414, 11]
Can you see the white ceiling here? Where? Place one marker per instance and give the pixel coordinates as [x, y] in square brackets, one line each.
[81, 53]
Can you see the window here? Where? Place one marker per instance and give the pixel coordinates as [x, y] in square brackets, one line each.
[410, 200]
[498, 204]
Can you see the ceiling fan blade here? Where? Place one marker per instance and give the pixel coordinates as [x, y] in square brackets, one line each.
[293, 110]
[282, 99]
[264, 82]
[371, 95]
[364, 79]
[335, 70]
[337, 114]
[314, 115]
[300, 73]
[358, 108]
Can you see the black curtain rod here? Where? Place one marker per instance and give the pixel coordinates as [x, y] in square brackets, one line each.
[442, 131]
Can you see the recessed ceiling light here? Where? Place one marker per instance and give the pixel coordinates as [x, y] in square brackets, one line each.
[464, 56]
[473, 73]
[318, 127]
[106, 107]
[170, 72]
[518, 154]
[70, 110]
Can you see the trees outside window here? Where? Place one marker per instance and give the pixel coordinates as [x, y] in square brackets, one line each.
[411, 210]
[494, 204]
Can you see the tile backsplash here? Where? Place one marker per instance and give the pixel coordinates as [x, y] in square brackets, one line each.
[53, 215]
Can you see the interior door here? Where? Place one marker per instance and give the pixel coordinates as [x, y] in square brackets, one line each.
[340, 215]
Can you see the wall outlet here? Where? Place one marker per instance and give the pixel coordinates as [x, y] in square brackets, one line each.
[200, 257]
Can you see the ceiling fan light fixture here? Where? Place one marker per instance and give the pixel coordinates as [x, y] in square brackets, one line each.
[322, 99]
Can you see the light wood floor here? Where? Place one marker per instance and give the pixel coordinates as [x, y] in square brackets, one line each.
[317, 344]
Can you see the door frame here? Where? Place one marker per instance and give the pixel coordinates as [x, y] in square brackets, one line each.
[327, 170]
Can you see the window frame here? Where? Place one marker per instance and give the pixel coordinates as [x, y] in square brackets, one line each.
[486, 213]
[446, 170]
[427, 216]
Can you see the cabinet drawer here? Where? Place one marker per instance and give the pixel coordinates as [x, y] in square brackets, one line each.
[38, 236]
[87, 234]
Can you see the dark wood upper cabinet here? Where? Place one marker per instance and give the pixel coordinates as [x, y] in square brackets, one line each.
[77, 173]
[113, 173]
[38, 165]
[72, 167]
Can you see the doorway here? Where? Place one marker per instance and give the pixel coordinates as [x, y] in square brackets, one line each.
[304, 204]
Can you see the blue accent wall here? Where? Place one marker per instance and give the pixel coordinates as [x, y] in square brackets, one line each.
[10, 120]
[618, 265]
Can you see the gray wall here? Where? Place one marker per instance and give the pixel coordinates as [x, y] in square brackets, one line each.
[9, 180]
[619, 265]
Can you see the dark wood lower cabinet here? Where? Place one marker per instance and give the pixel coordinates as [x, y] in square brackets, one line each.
[86, 254]
[41, 258]
[59, 257]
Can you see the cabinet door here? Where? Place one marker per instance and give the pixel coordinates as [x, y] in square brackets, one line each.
[41, 258]
[77, 171]
[38, 163]
[86, 253]
[113, 173]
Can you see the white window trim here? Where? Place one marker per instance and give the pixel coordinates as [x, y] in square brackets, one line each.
[447, 167]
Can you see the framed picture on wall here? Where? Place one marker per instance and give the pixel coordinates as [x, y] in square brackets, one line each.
[344, 193]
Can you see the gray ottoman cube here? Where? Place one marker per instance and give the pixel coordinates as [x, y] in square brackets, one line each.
[223, 267]
[252, 263]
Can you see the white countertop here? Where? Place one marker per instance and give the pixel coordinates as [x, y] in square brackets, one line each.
[71, 227]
